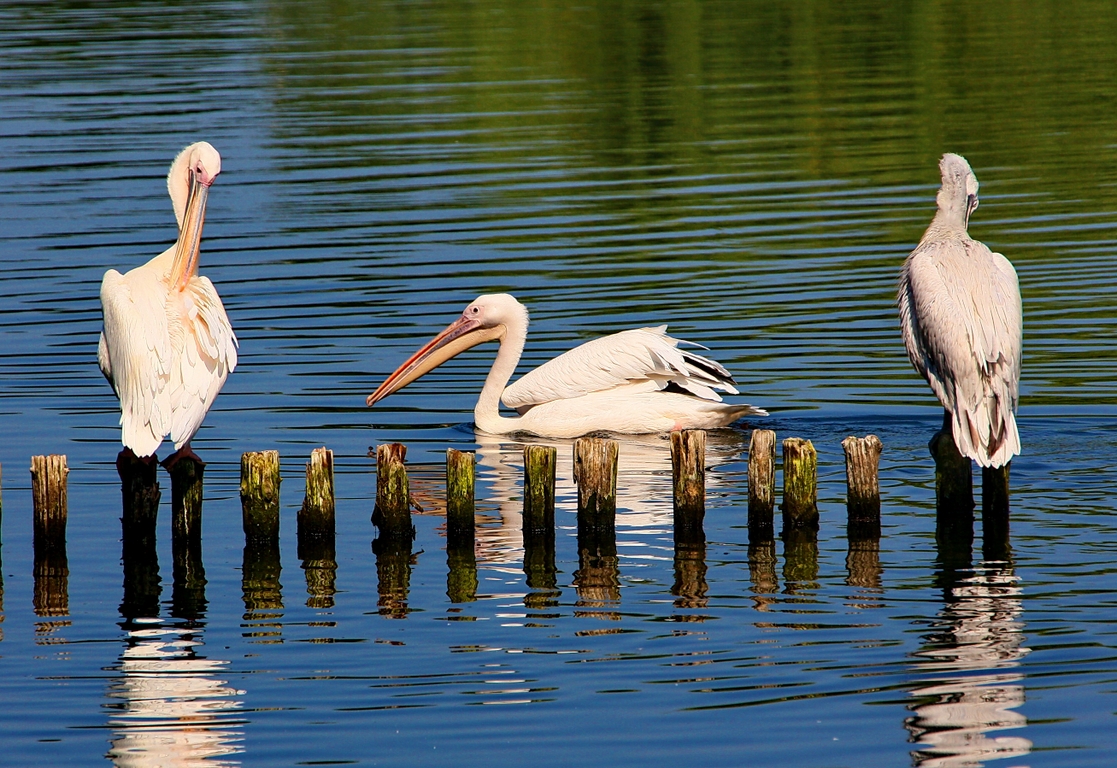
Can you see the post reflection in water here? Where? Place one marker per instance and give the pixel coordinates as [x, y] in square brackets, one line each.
[969, 656]
[393, 575]
[262, 592]
[168, 707]
[644, 503]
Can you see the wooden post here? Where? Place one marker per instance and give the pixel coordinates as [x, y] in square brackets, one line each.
[688, 473]
[48, 495]
[392, 514]
[994, 513]
[800, 489]
[259, 495]
[863, 485]
[595, 473]
[316, 516]
[139, 491]
[953, 475]
[539, 526]
[51, 568]
[539, 491]
[762, 484]
[460, 504]
[186, 498]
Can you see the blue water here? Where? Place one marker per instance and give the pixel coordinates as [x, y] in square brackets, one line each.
[751, 174]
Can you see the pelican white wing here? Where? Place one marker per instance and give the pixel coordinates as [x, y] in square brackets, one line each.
[631, 357]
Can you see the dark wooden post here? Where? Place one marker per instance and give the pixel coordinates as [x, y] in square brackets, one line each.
[762, 484]
[994, 513]
[800, 489]
[392, 514]
[51, 568]
[139, 491]
[688, 473]
[863, 485]
[259, 495]
[188, 595]
[953, 475]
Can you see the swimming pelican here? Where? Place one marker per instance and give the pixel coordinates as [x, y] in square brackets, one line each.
[633, 382]
[961, 317]
[167, 345]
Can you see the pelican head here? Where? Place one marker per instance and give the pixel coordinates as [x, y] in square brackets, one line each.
[487, 318]
[188, 181]
[958, 194]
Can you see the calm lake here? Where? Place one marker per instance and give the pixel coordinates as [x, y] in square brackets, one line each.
[752, 174]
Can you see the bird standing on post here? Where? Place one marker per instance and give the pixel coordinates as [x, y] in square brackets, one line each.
[961, 318]
[167, 346]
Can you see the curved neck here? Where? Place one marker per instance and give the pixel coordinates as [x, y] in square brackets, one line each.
[178, 185]
[486, 414]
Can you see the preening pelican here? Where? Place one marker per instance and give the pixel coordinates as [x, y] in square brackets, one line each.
[961, 317]
[167, 345]
[633, 382]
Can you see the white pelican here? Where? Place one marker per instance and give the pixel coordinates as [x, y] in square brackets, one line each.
[961, 317]
[167, 345]
[633, 382]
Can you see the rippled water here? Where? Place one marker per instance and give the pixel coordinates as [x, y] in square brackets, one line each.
[753, 175]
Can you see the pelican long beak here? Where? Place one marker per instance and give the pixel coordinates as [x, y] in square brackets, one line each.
[460, 335]
[971, 206]
[189, 245]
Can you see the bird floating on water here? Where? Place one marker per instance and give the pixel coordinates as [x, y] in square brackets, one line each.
[167, 346]
[961, 317]
[633, 382]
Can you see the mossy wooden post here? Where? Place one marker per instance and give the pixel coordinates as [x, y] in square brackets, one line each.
[953, 475]
[539, 491]
[994, 513]
[862, 486]
[800, 486]
[259, 495]
[392, 514]
[51, 568]
[460, 504]
[539, 526]
[595, 473]
[762, 484]
[688, 474]
[316, 515]
[140, 495]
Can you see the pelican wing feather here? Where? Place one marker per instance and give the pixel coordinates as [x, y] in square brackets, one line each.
[630, 357]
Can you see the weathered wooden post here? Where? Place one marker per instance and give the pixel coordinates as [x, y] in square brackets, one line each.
[261, 564]
[762, 484]
[259, 495]
[994, 513]
[539, 526]
[461, 559]
[317, 531]
[460, 502]
[539, 491]
[688, 474]
[51, 568]
[800, 489]
[139, 491]
[595, 474]
[597, 580]
[392, 514]
[862, 486]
